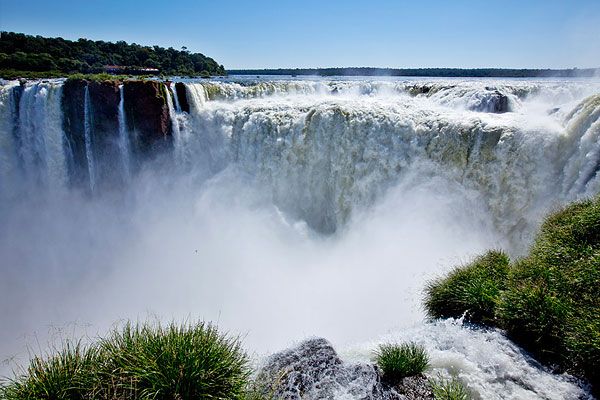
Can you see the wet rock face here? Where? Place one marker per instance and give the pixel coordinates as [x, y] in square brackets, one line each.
[73, 102]
[148, 115]
[181, 94]
[103, 120]
[313, 370]
[494, 102]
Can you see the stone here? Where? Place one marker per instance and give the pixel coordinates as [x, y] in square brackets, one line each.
[313, 370]
[147, 115]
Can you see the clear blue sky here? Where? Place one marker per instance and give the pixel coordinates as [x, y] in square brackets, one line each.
[311, 33]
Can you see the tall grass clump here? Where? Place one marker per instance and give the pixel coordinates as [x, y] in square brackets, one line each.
[548, 301]
[398, 361]
[448, 389]
[68, 374]
[552, 303]
[472, 290]
[174, 362]
[141, 361]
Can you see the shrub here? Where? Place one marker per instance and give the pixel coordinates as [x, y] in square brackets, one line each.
[551, 304]
[547, 302]
[67, 375]
[192, 361]
[473, 289]
[175, 362]
[398, 361]
[448, 389]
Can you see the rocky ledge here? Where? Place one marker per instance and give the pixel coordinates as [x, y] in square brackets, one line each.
[313, 370]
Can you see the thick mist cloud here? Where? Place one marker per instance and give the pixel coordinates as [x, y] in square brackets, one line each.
[223, 252]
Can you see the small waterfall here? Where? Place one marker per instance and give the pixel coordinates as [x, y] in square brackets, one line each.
[38, 138]
[87, 122]
[124, 136]
[175, 97]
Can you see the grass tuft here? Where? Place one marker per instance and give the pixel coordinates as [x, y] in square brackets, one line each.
[448, 389]
[472, 290]
[144, 361]
[398, 361]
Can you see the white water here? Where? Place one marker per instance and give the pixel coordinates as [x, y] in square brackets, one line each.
[124, 146]
[87, 124]
[237, 229]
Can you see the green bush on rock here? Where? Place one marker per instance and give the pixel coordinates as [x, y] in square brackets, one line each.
[548, 302]
[398, 361]
[472, 290]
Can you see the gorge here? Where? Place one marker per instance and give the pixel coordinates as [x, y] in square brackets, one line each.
[284, 207]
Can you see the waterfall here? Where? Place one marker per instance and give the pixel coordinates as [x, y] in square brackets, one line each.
[175, 97]
[32, 129]
[328, 148]
[87, 123]
[124, 146]
[324, 189]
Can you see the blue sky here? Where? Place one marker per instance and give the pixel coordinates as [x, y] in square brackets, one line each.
[262, 33]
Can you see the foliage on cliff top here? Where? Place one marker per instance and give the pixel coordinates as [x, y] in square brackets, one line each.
[549, 301]
[20, 52]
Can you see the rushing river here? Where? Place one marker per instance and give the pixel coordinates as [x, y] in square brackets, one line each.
[285, 208]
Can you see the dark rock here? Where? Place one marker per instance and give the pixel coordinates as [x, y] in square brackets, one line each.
[313, 370]
[181, 93]
[73, 100]
[104, 101]
[493, 102]
[147, 115]
[104, 98]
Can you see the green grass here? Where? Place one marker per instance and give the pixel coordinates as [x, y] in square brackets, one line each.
[146, 361]
[548, 302]
[472, 290]
[448, 389]
[67, 374]
[398, 361]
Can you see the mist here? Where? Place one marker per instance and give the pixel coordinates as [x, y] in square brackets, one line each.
[222, 251]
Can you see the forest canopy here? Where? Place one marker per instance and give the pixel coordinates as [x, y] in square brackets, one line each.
[22, 52]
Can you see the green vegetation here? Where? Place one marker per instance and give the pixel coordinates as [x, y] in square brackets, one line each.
[472, 290]
[426, 72]
[398, 361]
[548, 301]
[26, 56]
[448, 389]
[139, 362]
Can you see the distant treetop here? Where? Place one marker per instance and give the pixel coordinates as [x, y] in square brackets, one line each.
[36, 53]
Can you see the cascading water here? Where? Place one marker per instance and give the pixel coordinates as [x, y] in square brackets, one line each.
[33, 143]
[124, 146]
[289, 208]
[87, 123]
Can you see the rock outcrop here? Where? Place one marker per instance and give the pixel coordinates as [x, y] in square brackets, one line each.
[181, 93]
[148, 115]
[103, 123]
[73, 103]
[494, 102]
[313, 370]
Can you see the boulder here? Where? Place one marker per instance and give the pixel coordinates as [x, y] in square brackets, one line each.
[313, 370]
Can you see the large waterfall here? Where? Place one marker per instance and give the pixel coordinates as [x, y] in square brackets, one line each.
[283, 208]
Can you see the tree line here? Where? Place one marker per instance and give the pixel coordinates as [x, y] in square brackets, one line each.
[22, 52]
[426, 72]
